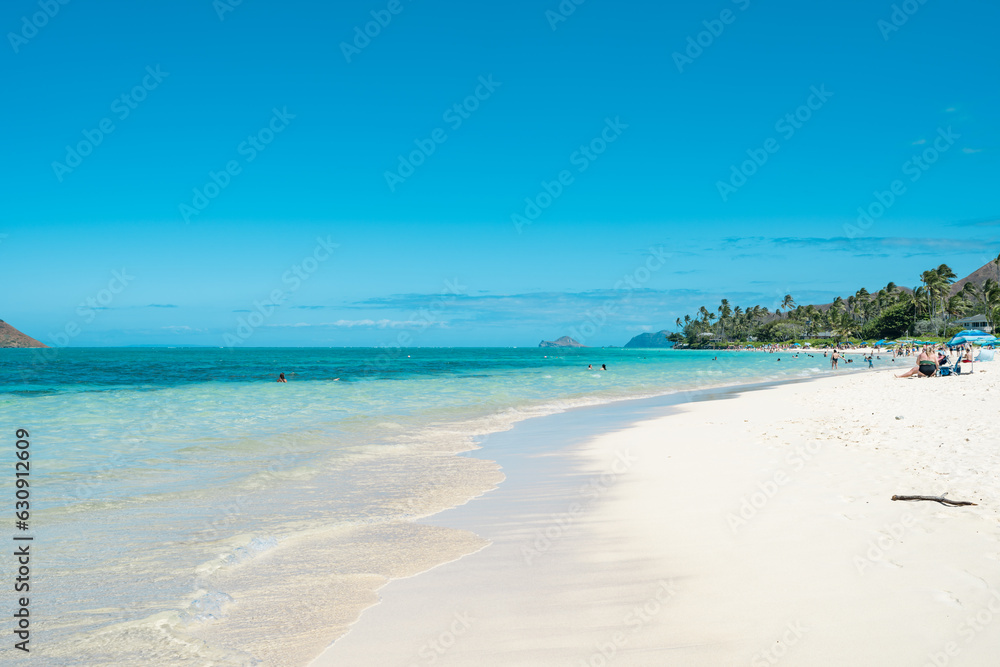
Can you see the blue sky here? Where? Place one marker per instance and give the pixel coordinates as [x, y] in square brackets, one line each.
[592, 116]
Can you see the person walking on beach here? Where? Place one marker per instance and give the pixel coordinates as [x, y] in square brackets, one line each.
[834, 358]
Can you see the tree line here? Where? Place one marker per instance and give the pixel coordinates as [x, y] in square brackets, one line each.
[929, 309]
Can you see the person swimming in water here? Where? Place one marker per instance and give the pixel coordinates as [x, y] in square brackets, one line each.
[281, 377]
[604, 367]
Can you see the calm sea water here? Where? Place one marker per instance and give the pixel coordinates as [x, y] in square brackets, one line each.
[153, 467]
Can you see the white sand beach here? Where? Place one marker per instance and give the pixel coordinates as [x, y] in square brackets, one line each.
[754, 530]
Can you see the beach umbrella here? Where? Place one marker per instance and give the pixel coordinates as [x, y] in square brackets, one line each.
[972, 336]
[972, 332]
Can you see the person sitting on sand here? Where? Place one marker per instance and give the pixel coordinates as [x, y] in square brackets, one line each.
[927, 365]
[281, 378]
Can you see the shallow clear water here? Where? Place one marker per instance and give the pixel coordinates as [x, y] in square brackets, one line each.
[151, 468]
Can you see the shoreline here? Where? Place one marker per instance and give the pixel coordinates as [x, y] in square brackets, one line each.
[318, 525]
[580, 596]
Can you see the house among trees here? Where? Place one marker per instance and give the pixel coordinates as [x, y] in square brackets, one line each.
[975, 322]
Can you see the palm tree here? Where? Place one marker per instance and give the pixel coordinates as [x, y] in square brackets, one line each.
[861, 301]
[843, 326]
[991, 301]
[788, 302]
[945, 272]
[739, 321]
[724, 312]
[810, 316]
[930, 279]
[942, 286]
[921, 300]
[957, 305]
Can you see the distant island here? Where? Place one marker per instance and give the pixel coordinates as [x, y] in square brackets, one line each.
[565, 341]
[11, 337]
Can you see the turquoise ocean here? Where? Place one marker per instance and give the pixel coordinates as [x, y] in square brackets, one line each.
[155, 470]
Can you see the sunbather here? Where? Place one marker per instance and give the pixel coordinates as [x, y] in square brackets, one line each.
[927, 364]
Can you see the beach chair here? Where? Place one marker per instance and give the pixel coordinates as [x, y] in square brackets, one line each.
[955, 368]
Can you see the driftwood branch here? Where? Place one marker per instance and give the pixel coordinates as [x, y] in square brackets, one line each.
[938, 499]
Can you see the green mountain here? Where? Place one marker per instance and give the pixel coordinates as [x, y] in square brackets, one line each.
[658, 339]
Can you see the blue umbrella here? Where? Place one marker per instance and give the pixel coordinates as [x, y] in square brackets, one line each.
[972, 336]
